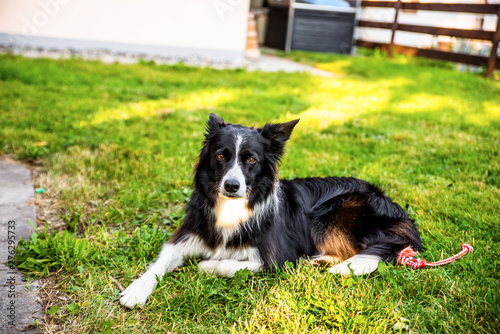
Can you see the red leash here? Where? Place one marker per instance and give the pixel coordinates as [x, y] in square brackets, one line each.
[407, 256]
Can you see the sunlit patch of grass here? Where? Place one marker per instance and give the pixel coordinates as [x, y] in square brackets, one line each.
[488, 115]
[335, 102]
[160, 108]
[337, 67]
[425, 102]
[320, 119]
[131, 110]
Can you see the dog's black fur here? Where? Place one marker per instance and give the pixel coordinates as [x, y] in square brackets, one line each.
[334, 216]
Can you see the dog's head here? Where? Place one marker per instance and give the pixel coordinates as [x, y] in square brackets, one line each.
[238, 161]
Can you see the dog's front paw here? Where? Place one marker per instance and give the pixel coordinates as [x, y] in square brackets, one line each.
[208, 266]
[138, 292]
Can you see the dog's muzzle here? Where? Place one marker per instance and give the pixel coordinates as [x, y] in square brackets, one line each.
[233, 184]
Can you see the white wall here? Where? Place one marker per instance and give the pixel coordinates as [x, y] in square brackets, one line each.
[198, 27]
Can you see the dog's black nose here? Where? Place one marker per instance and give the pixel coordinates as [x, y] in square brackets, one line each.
[231, 186]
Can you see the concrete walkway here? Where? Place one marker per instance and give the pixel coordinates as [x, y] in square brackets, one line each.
[268, 63]
[18, 306]
[265, 63]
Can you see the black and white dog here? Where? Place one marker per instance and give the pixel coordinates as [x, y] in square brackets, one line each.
[241, 215]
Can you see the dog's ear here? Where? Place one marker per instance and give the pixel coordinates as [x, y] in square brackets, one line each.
[214, 123]
[278, 133]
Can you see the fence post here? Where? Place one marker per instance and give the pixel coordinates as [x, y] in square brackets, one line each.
[494, 47]
[394, 27]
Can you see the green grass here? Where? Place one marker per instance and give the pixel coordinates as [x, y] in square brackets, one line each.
[117, 144]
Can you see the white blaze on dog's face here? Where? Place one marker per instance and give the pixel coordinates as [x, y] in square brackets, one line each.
[233, 183]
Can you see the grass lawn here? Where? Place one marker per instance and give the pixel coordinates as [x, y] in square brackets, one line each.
[114, 147]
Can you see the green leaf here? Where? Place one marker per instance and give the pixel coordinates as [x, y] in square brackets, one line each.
[53, 310]
[73, 308]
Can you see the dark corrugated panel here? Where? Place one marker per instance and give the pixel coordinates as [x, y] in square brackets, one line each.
[323, 31]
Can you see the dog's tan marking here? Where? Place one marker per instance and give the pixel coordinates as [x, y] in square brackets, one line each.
[335, 242]
[231, 212]
[337, 245]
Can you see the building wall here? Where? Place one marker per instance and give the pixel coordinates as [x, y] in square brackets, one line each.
[211, 28]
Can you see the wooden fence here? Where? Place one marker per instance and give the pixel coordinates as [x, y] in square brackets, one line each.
[491, 62]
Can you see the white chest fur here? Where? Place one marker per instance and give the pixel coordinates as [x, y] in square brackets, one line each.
[231, 212]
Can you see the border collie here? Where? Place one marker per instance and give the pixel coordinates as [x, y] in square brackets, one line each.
[241, 215]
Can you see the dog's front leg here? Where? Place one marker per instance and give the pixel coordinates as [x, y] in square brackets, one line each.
[227, 268]
[171, 257]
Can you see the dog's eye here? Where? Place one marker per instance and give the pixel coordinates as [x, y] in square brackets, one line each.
[251, 160]
[220, 157]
